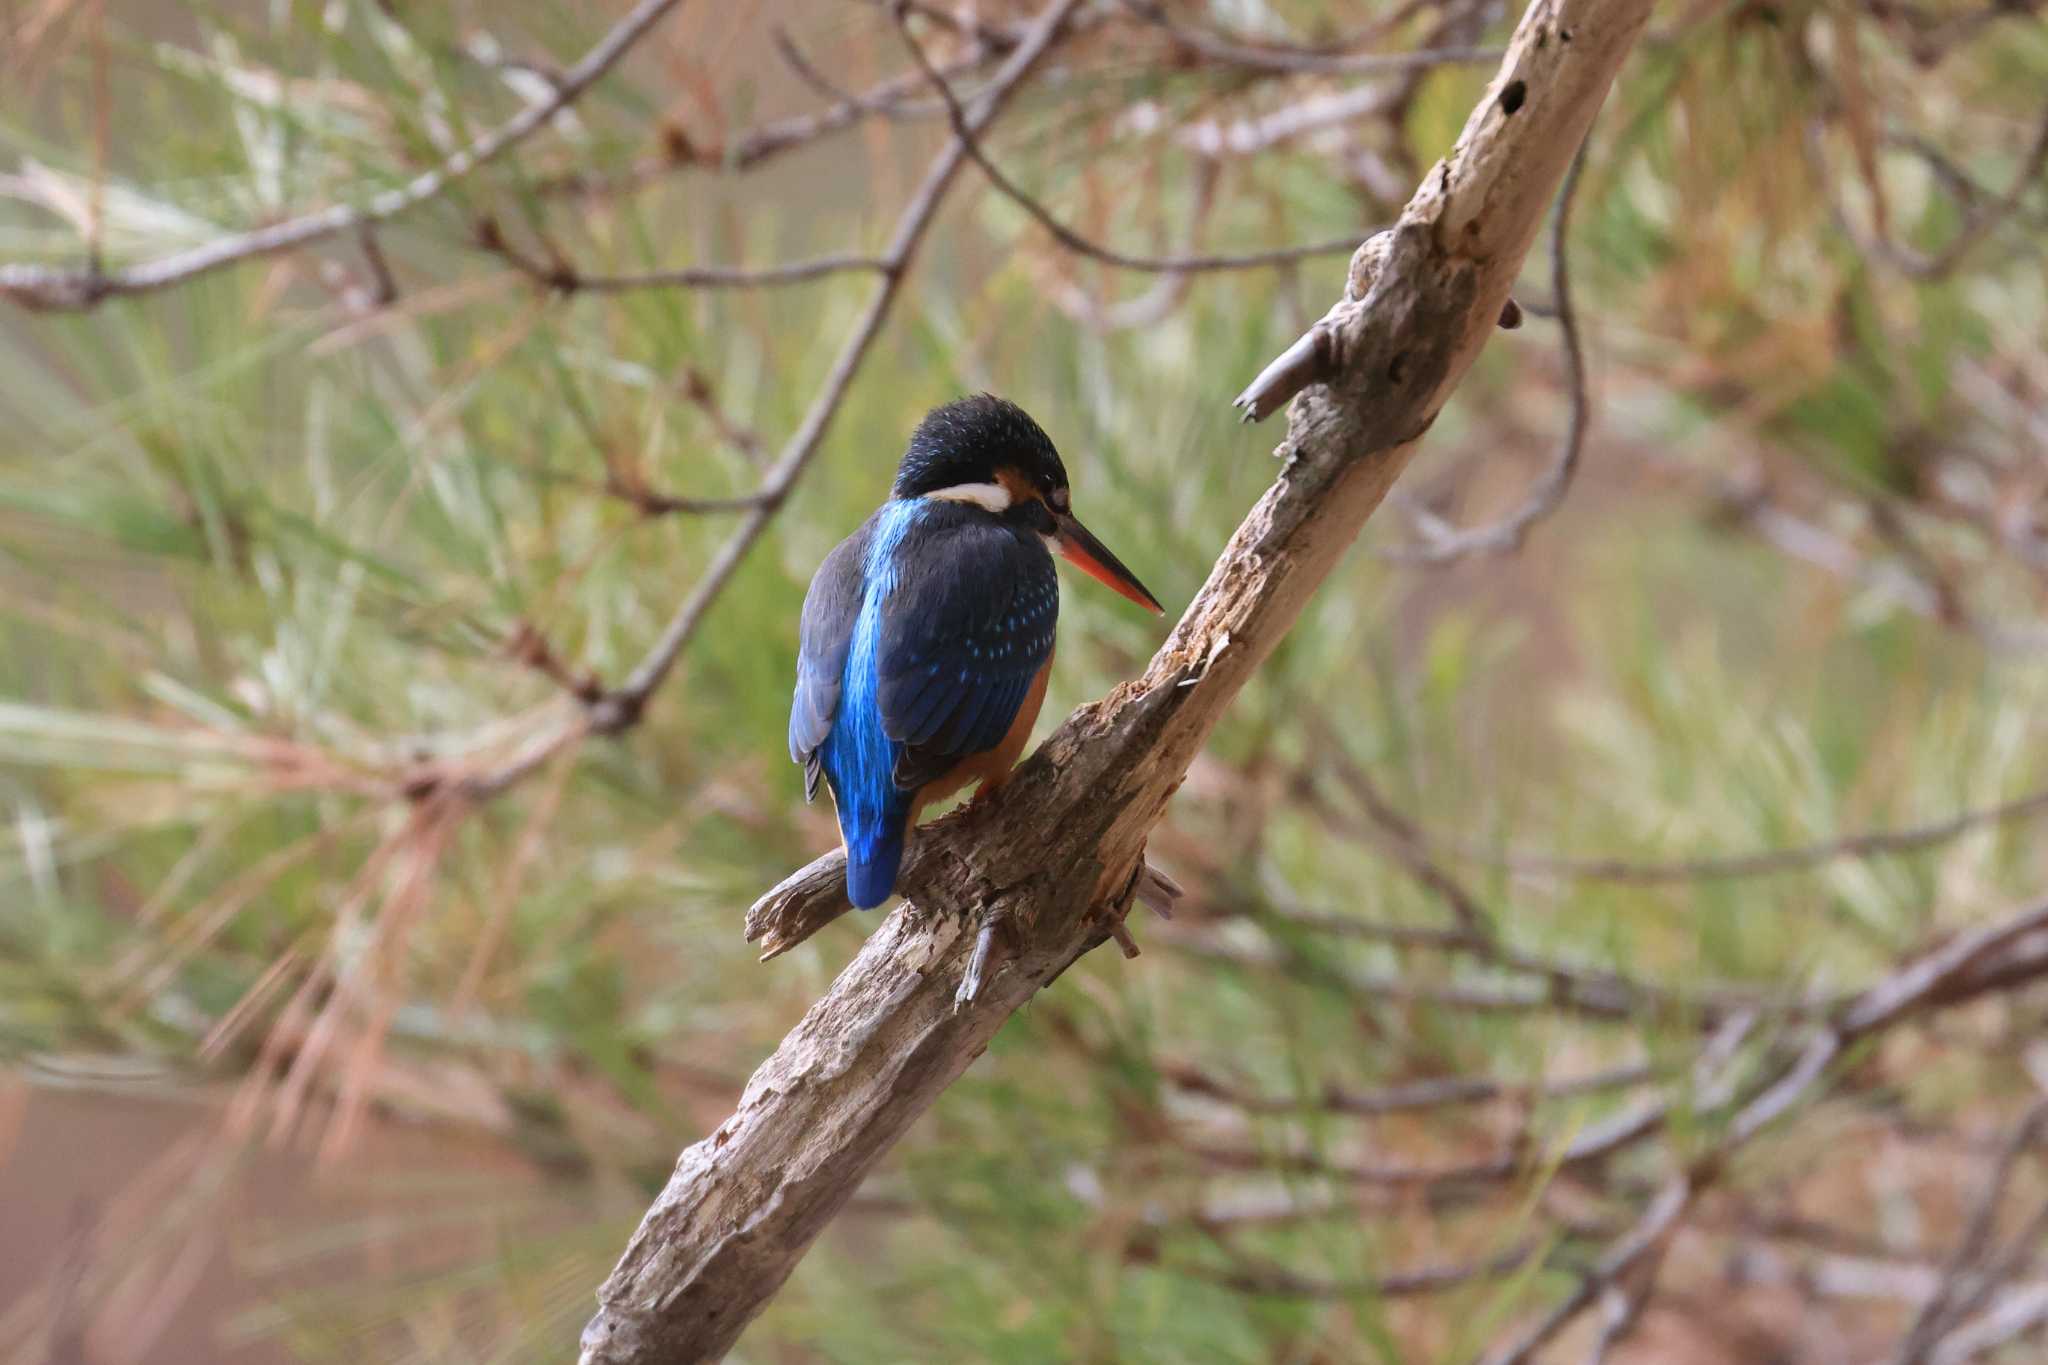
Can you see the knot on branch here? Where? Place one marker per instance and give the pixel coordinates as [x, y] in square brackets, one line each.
[1392, 342]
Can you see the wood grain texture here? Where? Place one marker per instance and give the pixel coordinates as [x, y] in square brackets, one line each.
[1057, 853]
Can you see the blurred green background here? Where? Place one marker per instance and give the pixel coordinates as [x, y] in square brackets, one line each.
[298, 1067]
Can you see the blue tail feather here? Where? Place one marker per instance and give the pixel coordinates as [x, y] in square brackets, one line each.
[873, 857]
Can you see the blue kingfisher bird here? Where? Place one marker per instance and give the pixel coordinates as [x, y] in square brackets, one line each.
[928, 633]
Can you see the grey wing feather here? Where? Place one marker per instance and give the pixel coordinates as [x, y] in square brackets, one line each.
[830, 608]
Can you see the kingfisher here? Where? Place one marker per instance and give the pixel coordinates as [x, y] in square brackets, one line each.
[927, 634]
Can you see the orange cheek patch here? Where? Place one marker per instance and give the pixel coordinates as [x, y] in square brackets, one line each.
[1014, 484]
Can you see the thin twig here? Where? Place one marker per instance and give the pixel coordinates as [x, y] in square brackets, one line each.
[1410, 1098]
[1594, 1144]
[1595, 990]
[1763, 863]
[1749, 503]
[1401, 838]
[763, 142]
[47, 287]
[885, 102]
[564, 278]
[1257, 1277]
[650, 503]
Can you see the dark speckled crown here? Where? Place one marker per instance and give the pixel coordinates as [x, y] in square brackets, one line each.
[967, 440]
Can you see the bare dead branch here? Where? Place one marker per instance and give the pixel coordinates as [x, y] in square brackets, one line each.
[2019, 1314]
[46, 287]
[1588, 989]
[881, 105]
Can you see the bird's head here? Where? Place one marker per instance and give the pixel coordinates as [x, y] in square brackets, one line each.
[988, 452]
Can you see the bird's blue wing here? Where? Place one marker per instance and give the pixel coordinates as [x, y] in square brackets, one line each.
[830, 609]
[964, 631]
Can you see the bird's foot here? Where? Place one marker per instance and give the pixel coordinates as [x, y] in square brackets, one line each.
[994, 946]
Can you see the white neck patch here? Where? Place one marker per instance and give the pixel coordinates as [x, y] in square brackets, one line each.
[992, 496]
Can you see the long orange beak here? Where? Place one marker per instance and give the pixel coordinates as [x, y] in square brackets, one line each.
[1092, 557]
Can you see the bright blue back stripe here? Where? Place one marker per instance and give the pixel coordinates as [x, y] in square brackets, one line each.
[858, 756]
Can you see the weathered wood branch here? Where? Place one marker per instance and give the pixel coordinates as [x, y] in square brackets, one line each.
[1055, 858]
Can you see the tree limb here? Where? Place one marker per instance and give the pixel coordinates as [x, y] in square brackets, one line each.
[1057, 856]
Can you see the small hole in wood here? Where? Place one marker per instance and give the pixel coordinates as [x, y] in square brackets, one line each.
[1398, 369]
[1511, 98]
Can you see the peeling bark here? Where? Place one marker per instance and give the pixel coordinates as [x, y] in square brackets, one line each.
[1057, 855]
